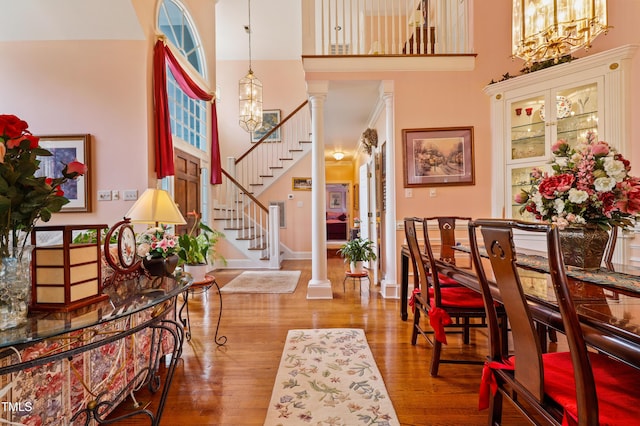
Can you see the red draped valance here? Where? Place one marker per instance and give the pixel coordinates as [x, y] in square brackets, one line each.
[163, 56]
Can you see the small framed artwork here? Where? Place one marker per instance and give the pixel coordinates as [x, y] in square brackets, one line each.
[65, 149]
[438, 156]
[301, 183]
[270, 119]
[335, 200]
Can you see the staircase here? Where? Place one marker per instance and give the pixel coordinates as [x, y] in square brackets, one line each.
[248, 224]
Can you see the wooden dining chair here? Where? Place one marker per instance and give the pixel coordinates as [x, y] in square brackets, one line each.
[447, 308]
[576, 387]
[448, 240]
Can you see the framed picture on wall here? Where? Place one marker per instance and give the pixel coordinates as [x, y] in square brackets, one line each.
[438, 156]
[270, 119]
[335, 200]
[65, 149]
[301, 183]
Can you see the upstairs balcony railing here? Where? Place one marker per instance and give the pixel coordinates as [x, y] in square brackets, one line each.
[385, 27]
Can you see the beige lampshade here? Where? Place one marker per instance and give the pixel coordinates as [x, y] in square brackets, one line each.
[155, 206]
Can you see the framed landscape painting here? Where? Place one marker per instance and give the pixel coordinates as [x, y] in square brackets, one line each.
[65, 149]
[270, 119]
[438, 156]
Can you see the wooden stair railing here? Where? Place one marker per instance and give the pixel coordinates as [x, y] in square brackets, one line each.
[267, 156]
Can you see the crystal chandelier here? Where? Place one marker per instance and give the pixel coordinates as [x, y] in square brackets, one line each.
[550, 29]
[250, 91]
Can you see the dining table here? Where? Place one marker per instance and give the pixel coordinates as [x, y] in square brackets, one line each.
[607, 300]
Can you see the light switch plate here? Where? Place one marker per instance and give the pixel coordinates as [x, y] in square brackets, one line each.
[104, 195]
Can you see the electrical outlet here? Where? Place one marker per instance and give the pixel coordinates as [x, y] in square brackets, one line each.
[115, 194]
[130, 194]
[432, 192]
[104, 195]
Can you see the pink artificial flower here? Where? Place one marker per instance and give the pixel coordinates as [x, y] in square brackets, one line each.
[560, 146]
[76, 167]
[521, 197]
[600, 149]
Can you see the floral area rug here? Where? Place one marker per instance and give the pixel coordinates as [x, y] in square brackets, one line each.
[329, 377]
[263, 282]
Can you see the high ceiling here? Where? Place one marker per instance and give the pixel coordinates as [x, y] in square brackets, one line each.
[277, 35]
[278, 22]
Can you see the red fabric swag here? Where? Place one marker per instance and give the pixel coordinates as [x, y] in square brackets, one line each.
[164, 145]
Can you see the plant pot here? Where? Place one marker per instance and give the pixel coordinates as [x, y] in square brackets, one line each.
[161, 267]
[198, 271]
[583, 247]
[357, 267]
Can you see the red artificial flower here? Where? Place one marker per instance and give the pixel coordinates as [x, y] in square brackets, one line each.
[551, 184]
[76, 167]
[11, 126]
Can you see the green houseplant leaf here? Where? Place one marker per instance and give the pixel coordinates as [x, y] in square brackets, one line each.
[357, 250]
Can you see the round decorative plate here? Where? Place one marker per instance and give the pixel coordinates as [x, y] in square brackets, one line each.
[563, 108]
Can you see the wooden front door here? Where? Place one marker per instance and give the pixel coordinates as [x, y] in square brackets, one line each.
[187, 187]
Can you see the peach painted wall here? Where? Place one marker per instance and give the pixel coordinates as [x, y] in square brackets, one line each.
[283, 88]
[297, 234]
[83, 87]
[100, 87]
[443, 99]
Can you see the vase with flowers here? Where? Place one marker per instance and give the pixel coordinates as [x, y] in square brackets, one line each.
[589, 191]
[25, 198]
[158, 248]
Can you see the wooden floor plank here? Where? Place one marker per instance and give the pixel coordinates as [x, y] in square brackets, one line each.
[232, 385]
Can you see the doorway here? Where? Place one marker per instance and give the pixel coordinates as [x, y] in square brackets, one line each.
[338, 208]
[187, 187]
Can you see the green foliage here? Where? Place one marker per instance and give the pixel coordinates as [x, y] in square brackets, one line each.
[357, 250]
[91, 236]
[199, 249]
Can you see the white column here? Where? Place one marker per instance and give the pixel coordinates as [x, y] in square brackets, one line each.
[389, 287]
[319, 286]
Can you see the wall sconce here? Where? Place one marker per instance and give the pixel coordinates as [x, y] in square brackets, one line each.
[338, 155]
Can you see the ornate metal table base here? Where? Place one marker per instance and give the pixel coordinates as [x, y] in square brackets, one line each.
[186, 321]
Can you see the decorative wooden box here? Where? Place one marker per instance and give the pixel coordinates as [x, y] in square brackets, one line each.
[69, 275]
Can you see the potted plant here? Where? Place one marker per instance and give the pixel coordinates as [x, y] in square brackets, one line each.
[198, 247]
[357, 251]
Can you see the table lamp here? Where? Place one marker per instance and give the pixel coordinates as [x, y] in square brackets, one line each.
[155, 206]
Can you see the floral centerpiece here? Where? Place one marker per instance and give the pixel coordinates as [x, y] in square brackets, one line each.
[590, 185]
[157, 242]
[26, 197]
[158, 248]
[589, 191]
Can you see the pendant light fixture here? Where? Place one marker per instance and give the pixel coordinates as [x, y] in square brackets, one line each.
[550, 29]
[250, 91]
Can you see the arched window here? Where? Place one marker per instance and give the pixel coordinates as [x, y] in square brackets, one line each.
[188, 116]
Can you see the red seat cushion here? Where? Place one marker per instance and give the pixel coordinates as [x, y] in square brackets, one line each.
[616, 385]
[459, 297]
[446, 281]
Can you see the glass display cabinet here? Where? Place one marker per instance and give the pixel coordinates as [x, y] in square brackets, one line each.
[531, 112]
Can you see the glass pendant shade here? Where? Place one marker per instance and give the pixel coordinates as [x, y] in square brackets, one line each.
[250, 91]
[550, 29]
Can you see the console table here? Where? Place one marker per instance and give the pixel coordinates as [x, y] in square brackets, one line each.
[74, 367]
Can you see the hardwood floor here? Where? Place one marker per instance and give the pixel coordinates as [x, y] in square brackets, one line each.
[232, 385]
